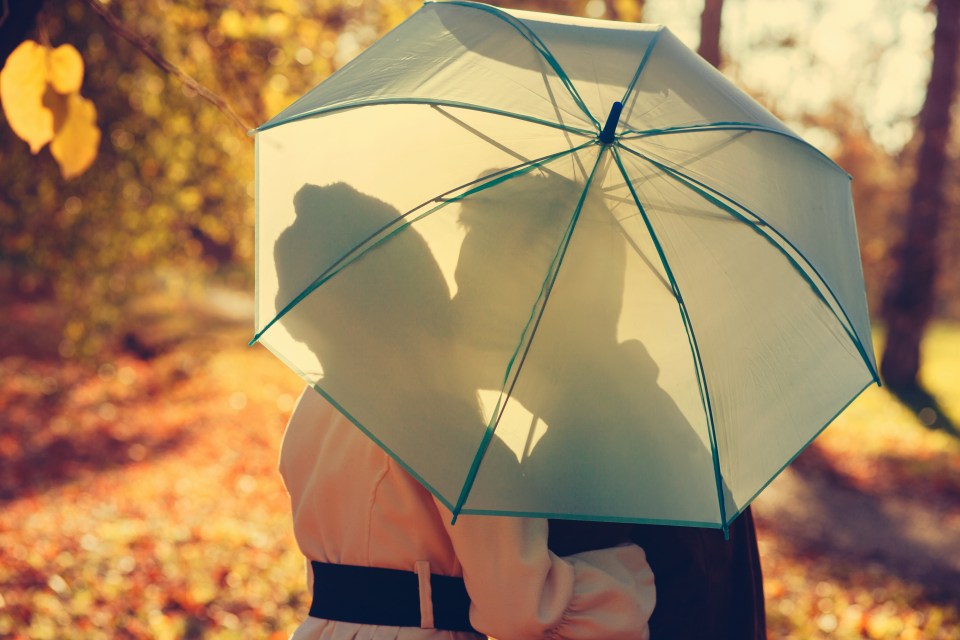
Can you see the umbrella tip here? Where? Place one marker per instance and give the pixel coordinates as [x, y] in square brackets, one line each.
[607, 135]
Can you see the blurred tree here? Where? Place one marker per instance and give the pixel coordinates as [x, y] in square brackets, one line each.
[709, 47]
[908, 303]
[169, 199]
[879, 188]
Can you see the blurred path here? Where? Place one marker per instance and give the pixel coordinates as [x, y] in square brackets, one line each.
[916, 539]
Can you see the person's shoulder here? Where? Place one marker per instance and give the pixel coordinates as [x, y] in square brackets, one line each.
[312, 403]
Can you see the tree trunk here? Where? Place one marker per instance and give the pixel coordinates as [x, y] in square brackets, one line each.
[709, 47]
[908, 301]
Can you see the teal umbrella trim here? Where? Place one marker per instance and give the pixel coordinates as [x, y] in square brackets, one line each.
[591, 518]
[402, 223]
[640, 67]
[802, 449]
[321, 111]
[694, 347]
[633, 134]
[535, 41]
[544, 295]
[713, 196]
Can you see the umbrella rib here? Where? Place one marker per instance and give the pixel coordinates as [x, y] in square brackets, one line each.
[320, 111]
[644, 259]
[694, 347]
[632, 134]
[486, 138]
[543, 515]
[709, 150]
[531, 327]
[530, 36]
[720, 199]
[362, 247]
[643, 63]
[630, 241]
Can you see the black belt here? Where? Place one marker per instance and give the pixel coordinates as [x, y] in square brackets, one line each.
[389, 597]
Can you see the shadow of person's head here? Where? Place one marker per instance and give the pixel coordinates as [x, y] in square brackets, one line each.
[380, 291]
[519, 234]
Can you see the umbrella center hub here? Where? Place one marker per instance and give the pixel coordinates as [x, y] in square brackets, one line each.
[608, 134]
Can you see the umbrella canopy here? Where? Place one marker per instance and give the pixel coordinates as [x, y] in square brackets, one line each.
[560, 267]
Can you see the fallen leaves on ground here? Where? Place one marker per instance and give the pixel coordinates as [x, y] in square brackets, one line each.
[140, 499]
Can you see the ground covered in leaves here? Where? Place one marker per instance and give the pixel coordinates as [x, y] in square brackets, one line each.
[139, 496]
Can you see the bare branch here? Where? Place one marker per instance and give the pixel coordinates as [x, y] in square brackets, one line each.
[6, 12]
[158, 59]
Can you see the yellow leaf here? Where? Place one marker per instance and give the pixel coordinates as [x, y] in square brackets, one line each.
[232, 25]
[65, 69]
[23, 82]
[76, 143]
[58, 105]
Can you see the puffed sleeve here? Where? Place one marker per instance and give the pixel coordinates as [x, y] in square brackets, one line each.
[520, 590]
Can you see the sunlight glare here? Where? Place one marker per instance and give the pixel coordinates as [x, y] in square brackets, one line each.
[803, 56]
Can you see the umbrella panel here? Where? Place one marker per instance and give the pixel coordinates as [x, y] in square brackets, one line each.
[767, 340]
[802, 197]
[605, 420]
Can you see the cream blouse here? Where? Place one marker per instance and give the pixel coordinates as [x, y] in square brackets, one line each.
[353, 504]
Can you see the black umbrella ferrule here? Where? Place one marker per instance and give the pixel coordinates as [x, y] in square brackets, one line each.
[607, 135]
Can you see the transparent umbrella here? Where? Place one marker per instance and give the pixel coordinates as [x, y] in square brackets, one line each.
[560, 267]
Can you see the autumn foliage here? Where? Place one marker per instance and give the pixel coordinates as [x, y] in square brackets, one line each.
[139, 435]
[40, 92]
[140, 499]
